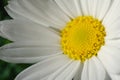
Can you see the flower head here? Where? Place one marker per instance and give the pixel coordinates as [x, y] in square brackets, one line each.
[67, 39]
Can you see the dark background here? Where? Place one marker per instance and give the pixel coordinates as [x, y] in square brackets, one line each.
[8, 71]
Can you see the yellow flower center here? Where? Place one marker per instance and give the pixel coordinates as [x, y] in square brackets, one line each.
[82, 38]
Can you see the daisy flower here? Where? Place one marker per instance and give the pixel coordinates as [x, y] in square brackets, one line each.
[67, 39]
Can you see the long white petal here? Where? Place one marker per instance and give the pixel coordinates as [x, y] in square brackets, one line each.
[27, 59]
[69, 72]
[110, 58]
[59, 71]
[78, 73]
[84, 7]
[71, 7]
[115, 76]
[44, 12]
[96, 70]
[85, 71]
[97, 8]
[74, 70]
[103, 7]
[17, 30]
[28, 52]
[92, 7]
[93, 70]
[113, 30]
[113, 13]
[107, 77]
[113, 43]
[43, 68]
[115, 36]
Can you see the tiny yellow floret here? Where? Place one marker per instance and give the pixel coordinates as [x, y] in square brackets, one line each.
[82, 38]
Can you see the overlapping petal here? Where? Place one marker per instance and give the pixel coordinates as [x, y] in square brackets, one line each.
[49, 14]
[29, 51]
[110, 57]
[93, 70]
[43, 69]
[18, 30]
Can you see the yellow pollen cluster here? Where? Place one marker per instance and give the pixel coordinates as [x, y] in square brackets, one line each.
[82, 38]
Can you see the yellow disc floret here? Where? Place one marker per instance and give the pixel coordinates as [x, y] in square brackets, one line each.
[82, 38]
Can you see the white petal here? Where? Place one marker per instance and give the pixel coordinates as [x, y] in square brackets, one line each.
[112, 14]
[84, 7]
[17, 30]
[59, 71]
[115, 36]
[107, 77]
[78, 73]
[110, 58]
[43, 68]
[28, 52]
[103, 7]
[115, 27]
[78, 7]
[85, 72]
[113, 30]
[45, 78]
[71, 7]
[69, 72]
[93, 70]
[96, 70]
[97, 8]
[115, 76]
[14, 14]
[92, 5]
[26, 59]
[45, 12]
[113, 43]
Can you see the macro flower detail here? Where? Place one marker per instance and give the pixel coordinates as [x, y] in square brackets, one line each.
[82, 38]
[67, 39]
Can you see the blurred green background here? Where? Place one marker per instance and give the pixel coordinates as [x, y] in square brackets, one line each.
[8, 71]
